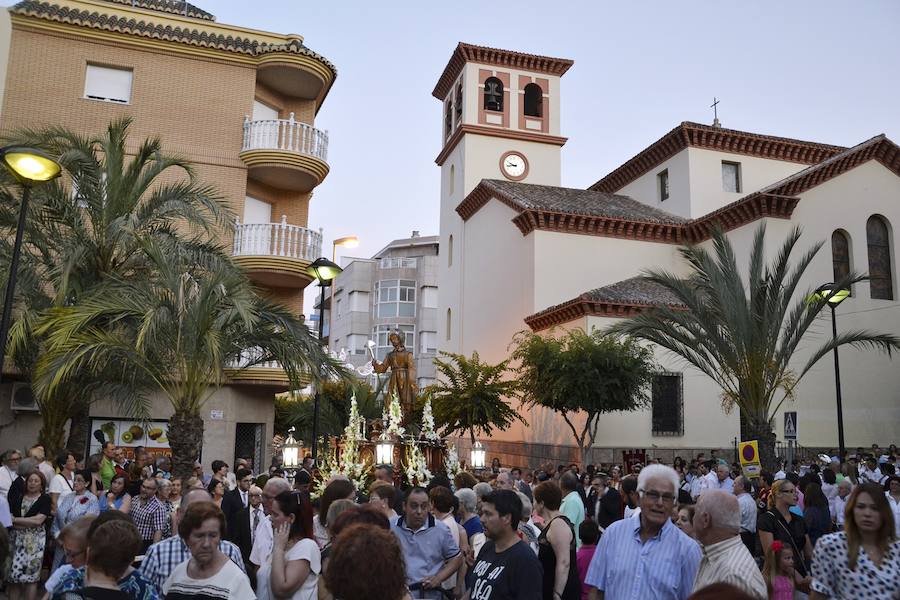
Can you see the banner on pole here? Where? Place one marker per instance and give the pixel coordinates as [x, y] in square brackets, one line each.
[749, 452]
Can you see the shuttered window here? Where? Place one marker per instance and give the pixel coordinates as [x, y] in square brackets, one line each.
[108, 84]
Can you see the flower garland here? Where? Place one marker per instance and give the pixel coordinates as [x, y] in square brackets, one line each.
[451, 461]
[416, 469]
[395, 417]
[428, 431]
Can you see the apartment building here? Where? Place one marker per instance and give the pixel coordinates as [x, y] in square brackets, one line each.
[395, 289]
[238, 103]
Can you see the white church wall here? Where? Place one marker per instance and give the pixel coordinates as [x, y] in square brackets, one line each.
[645, 188]
[706, 190]
[567, 265]
[482, 159]
[452, 241]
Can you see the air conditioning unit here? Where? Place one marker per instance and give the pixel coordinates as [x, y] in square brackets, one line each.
[21, 398]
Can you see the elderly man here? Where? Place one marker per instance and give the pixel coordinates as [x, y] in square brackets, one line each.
[262, 545]
[504, 481]
[9, 470]
[717, 523]
[646, 556]
[243, 527]
[572, 507]
[720, 479]
[429, 552]
[604, 503]
[748, 512]
[164, 556]
[838, 504]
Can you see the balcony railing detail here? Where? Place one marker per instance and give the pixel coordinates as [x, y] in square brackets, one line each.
[285, 134]
[277, 239]
[251, 356]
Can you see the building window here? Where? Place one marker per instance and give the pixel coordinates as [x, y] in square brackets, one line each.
[356, 343]
[840, 254]
[359, 301]
[448, 325]
[667, 404]
[428, 342]
[534, 100]
[397, 263]
[662, 180]
[881, 284]
[459, 101]
[448, 119]
[337, 308]
[383, 345]
[396, 298]
[731, 176]
[450, 251]
[452, 178]
[108, 84]
[429, 296]
[493, 94]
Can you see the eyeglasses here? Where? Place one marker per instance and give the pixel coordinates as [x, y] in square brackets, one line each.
[656, 496]
[790, 491]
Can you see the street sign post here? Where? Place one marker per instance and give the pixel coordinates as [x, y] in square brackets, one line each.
[749, 452]
[790, 425]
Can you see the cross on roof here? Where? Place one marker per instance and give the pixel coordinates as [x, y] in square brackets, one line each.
[715, 108]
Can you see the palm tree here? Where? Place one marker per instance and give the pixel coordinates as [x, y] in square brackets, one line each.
[469, 396]
[745, 337]
[89, 227]
[174, 333]
[334, 411]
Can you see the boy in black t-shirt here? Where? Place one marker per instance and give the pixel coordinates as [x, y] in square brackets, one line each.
[506, 567]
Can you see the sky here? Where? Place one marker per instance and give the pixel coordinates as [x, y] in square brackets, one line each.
[820, 70]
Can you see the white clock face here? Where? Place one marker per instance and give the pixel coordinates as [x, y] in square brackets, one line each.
[514, 165]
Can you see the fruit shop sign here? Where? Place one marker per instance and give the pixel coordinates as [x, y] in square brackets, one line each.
[127, 434]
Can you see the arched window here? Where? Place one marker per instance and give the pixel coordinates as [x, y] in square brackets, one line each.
[450, 251]
[840, 254]
[452, 184]
[459, 101]
[881, 285]
[534, 100]
[493, 94]
[448, 323]
[448, 119]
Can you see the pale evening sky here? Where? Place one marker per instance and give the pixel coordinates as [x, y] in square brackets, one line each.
[816, 70]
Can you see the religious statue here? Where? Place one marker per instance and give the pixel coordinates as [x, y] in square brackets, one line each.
[403, 376]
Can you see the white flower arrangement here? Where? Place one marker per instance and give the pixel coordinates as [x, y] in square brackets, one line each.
[416, 469]
[428, 431]
[356, 426]
[395, 417]
[451, 461]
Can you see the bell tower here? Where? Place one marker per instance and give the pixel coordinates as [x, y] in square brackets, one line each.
[499, 120]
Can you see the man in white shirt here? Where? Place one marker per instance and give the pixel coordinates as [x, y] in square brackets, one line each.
[262, 545]
[723, 478]
[9, 470]
[37, 453]
[870, 471]
[839, 503]
[748, 512]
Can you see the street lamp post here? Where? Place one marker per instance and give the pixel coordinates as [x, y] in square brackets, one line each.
[833, 295]
[29, 167]
[324, 271]
[349, 241]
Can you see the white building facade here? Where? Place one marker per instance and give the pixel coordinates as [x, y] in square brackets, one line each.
[519, 251]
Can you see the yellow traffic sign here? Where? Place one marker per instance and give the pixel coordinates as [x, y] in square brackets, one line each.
[749, 453]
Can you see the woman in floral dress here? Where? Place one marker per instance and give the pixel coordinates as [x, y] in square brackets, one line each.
[71, 507]
[28, 538]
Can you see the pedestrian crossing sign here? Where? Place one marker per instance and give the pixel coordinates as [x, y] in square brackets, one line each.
[749, 453]
[790, 425]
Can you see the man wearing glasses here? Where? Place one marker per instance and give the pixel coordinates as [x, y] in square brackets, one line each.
[9, 470]
[647, 556]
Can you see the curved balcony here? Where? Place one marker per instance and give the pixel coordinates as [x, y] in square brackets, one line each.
[285, 153]
[247, 369]
[276, 254]
[294, 70]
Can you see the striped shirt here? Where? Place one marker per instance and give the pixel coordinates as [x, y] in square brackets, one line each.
[229, 582]
[149, 516]
[730, 562]
[662, 568]
[163, 557]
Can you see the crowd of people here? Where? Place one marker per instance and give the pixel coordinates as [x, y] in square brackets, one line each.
[111, 528]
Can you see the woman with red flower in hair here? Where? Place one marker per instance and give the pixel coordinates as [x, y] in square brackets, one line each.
[71, 507]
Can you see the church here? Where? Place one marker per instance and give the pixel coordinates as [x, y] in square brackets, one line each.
[519, 251]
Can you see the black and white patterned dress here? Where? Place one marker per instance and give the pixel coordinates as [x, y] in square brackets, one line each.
[833, 578]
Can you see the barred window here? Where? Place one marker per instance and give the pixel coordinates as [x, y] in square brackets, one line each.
[881, 283]
[667, 404]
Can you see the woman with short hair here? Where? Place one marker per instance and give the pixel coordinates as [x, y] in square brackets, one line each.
[62, 484]
[863, 561]
[374, 557]
[72, 507]
[30, 510]
[216, 489]
[208, 573]
[117, 498]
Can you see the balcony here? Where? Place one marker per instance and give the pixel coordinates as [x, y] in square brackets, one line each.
[276, 254]
[267, 373]
[285, 154]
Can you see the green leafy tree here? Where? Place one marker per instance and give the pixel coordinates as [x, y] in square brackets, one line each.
[88, 227]
[176, 333]
[297, 410]
[470, 396]
[592, 374]
[744, 336]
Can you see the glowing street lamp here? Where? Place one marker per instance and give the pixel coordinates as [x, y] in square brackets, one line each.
[29, 167]
[349, 241]
[478, 454]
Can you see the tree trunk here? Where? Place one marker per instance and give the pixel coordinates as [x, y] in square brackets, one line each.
[765, 438]
[79, 427]
[185, 439]
[53, 430]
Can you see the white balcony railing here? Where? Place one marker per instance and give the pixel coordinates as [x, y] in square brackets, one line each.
[251, 356]
[285, 134]
[277, 239]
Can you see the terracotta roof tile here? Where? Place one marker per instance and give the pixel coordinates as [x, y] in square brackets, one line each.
[177, 7]
[636, 290]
